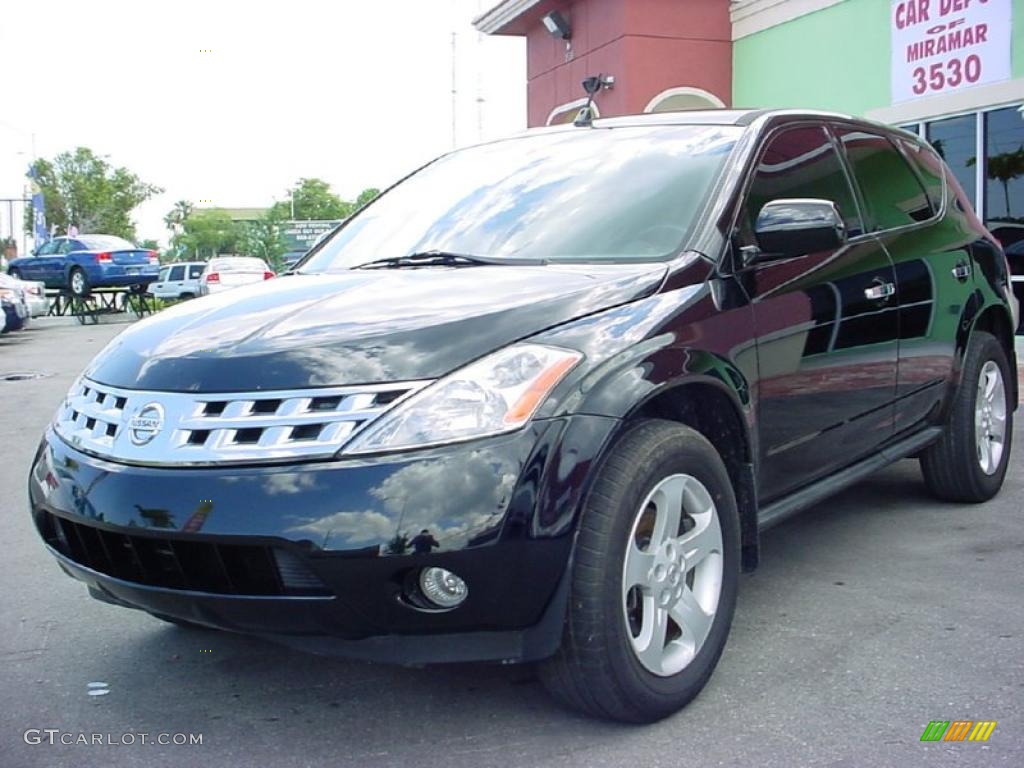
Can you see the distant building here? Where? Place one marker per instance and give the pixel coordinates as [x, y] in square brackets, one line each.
[950, 71]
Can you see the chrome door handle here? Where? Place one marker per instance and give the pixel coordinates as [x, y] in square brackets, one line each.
[879, 291]
[962, 271]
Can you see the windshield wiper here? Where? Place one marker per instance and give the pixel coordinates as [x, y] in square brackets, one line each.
[448, 259]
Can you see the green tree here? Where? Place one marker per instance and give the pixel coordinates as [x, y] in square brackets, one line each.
[175, 219]
[82, 189]
[205, 234]
[312, 199]
[1004, 168]
[264, 239]
[367, 196]
[149, 244]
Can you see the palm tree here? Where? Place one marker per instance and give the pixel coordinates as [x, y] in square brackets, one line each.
[176, 218]
[1004, 168]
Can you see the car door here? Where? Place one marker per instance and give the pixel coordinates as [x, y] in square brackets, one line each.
[176, 280]
[35, 267]
[826, 323]
[902, 186]
[159, 286]
[56, 265]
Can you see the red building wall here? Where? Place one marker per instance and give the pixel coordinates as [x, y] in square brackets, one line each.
[647, 45]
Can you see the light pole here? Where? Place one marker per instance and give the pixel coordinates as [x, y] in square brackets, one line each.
[24, 187]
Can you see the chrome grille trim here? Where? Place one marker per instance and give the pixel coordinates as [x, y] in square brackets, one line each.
[202, 429]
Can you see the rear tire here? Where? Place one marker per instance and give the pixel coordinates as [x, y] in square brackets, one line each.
[611, 663]
[968, 463]
[15, 273]
[78, 282]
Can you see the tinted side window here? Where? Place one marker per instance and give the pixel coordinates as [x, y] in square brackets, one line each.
[892, 194]
[929, 169]
[163, 274]
[47, 249]
[178, 273]
[801, 162]
[195, 271]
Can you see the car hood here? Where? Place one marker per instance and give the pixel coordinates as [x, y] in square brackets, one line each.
[358, 327]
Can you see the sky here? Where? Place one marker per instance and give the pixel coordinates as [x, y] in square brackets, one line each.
[229, 103]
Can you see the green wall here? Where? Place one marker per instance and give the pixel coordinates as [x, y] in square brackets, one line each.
[836, 58]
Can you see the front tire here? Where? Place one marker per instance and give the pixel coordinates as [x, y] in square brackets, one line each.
[968, 463]
[654, 578]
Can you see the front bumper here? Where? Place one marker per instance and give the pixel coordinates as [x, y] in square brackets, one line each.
[322, 555]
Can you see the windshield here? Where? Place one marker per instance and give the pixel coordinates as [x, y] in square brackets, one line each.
[585, 195]
[105, 243]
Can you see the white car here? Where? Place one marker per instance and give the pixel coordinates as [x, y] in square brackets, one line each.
[226, 272]
[31, 292]
[178, 281]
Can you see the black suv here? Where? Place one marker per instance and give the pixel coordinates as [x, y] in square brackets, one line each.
[536, 401]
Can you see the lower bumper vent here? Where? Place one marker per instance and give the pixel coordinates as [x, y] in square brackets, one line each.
[230, 569]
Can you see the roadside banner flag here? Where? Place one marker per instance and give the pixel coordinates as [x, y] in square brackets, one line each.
[39, 230]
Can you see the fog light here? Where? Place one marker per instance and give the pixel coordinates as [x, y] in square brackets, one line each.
[442, 587]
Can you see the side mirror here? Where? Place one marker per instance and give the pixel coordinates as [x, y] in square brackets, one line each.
[794, 227]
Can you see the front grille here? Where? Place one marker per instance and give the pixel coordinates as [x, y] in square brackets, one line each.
[174, 428]
[230, 569]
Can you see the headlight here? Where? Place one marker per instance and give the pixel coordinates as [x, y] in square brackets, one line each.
[498, 393]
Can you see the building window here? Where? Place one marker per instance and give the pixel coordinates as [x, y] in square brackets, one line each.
[683, 98]
[566, 113]
[914, 128]
[955, 139]
[1004, 165]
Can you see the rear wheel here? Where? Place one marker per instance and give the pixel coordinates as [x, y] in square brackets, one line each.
[654, 578]
[78, 282]
[15, 273]
[968, 463]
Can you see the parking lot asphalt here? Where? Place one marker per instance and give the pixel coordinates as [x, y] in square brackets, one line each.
[871, 615]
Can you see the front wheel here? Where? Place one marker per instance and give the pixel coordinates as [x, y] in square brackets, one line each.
[654, 578]
[968, 463]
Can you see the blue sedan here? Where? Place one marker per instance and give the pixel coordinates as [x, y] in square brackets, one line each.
[82, 263]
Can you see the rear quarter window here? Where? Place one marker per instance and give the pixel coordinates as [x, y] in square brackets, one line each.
[929, 169]
[893, 195]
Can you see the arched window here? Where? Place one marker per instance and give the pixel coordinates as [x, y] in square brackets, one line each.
[566, 113]
[683, 98]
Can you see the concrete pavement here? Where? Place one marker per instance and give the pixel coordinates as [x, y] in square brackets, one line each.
[871, 615]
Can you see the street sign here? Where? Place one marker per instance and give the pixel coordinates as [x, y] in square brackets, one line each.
[301, 235]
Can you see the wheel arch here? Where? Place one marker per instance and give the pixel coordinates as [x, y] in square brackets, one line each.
[713, 408]
[995, 319]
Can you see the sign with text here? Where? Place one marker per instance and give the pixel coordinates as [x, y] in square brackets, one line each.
[939, 46]
[302, 235]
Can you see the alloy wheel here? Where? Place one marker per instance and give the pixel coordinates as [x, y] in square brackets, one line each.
[990, 417]
[672, 574]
